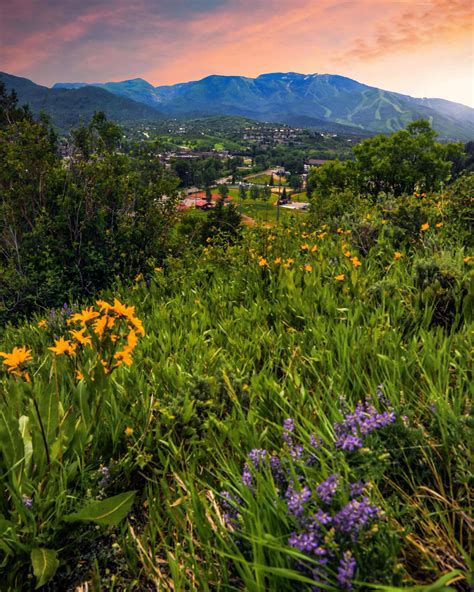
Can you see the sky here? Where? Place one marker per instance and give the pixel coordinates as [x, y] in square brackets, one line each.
[417, 48]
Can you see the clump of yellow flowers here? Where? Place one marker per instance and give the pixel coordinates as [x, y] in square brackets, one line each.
[110, 331]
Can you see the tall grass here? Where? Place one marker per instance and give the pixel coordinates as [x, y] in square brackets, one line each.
[239, 338]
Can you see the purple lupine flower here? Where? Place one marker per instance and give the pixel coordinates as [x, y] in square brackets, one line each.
[247, 476]
[364, 420]
[230, 511]
[348, 442]
[356, 489]
[276, 469]
[327, 489]
[382, 397]
[354, 516]
[315, 441]
[321, 518]
[257, 456]
[297, 499]
[346, 570]
[288, 429]
[307, 542]
[27, 502]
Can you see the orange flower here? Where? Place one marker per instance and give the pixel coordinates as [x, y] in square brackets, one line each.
[123, 357]
[81, 338]
[121, 310]
[340, 278]
[424, 226]
[355, 262]
[41, 324]
[308, 268]
[314, 248]
[277, 261]
[15, 360]
[397, 255]
[262, 262]
[84, 316]
[305, 247]
[439, 225]
[63, 346]
[100, 325]
[467, 259]
[348, 254]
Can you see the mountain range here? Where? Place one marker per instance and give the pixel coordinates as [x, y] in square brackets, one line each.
[321, 101]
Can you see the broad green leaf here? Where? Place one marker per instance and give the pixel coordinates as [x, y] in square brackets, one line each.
[108, 512]
[45, 563]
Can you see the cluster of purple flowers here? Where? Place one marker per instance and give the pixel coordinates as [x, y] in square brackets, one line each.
[355, 425]
[328, 518]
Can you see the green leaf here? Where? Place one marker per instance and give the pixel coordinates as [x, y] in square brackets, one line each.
[108, 512]
[11, 443]
[23, 423]
[45, 563]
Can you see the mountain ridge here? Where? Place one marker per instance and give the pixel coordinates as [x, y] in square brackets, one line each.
[286, 95]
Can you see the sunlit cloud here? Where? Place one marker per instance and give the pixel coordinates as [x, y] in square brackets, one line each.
[394, 45]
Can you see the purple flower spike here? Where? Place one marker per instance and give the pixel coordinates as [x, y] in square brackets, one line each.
[297, 499]
[327, 489]
[346, 570]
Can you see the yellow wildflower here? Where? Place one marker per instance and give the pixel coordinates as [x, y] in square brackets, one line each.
[340, 278]
[79, 375]
[397, 255]
[467, 259]
[339, 231]
[41, 324]
[277, 261]
[308, 267]
[158, 269]
[383, 222]
[439, 225]
[63, 346]
[122, 310]
[424, 226]
[314, 248]
[15, 360]
[100, 325]
[355, 262]
[128, 431]
[262, 262]
[123, 357]
[81, 338]
[84, 316]
[348, 254]
[305, 247]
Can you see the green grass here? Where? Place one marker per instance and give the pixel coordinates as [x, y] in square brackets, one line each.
[235, 343]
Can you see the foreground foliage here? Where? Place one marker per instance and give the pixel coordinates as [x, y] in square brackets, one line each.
[230, 432]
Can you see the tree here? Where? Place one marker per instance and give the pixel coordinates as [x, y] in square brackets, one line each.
[224, 220]
[255, 192]
[266, 193]
[223, 190]
[272, 181]
[208, 194]
[242, 192]
[408, 160]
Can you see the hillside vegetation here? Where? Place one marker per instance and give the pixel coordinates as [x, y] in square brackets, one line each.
[281, 407]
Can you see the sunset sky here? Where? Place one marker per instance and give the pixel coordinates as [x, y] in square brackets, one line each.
[417, 48]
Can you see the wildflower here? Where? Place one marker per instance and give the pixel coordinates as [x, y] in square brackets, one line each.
[314, 248]
[356, 489]
[158, 269]
[81, 338]
[439, 225]
[339, 231]
[424, 227]
[262, 262]
[230, 507]
[355, 262]
[467, 259]
[123, 357]
[308, 267]
[84, 316]
[79, 375]
[247, 476]
[123, 311]
[354, 516]
[327, 489]
[346, 570]
[383, 222]
[128, 431]
[63, 346]
[27, 502]
[296, 499]
[340, 278]
[289, 263]
[348, 254]
[100, 326]
[41, 324]
[104, 305]
[257, 456]
[277, 261]
[15, 359]
[305, 247]
[397, 255]
[139, 277]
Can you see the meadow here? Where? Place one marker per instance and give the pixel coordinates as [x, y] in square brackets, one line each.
[288, 411]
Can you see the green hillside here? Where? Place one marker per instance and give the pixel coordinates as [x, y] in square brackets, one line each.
[68, 107]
